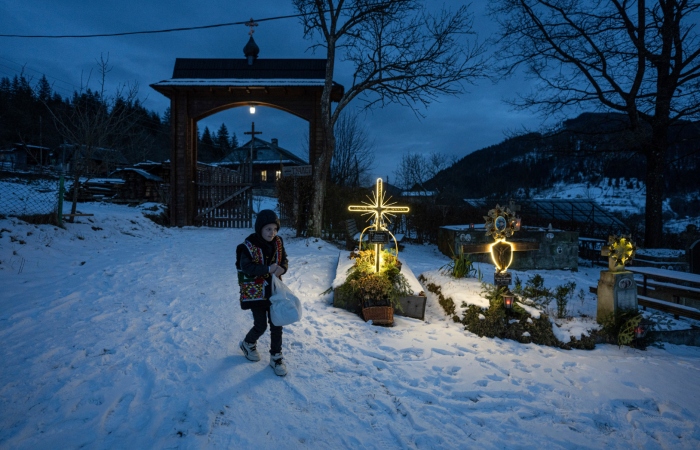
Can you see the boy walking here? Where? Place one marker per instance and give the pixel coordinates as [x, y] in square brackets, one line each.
[260, 257]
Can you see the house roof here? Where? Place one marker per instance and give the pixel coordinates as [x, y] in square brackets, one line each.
[141, 172]
[265, 153]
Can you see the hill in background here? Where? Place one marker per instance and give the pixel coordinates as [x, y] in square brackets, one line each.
[599, 163]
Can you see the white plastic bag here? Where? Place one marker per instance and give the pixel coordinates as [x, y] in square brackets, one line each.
[286, 307]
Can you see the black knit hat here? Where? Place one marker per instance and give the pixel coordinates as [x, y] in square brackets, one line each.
[265, 217]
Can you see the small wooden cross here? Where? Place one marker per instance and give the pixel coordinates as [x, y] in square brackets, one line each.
[251, 24]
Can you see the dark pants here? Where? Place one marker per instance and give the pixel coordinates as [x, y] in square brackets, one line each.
[261, 316]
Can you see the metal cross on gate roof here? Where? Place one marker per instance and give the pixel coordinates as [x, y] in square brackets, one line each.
[251, 24]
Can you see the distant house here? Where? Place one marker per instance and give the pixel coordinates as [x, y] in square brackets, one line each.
[268, 160]
[139, 185]
[25, 156]
[12, 158]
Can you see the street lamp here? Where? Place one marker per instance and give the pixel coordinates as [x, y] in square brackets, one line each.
[252, 109]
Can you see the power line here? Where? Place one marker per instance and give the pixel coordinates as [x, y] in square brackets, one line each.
[168, 30]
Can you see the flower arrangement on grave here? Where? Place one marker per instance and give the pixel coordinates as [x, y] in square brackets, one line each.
[375, 294]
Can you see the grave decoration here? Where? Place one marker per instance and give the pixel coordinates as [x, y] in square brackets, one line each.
[620, 250]
[500, 224]
[378, 210]
[617, 289]
[374, 281]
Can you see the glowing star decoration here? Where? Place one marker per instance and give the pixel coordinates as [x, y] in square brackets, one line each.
[620, 250]
[500, 224]
[378, 211]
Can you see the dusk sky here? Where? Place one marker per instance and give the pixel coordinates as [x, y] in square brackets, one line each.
[453, 126]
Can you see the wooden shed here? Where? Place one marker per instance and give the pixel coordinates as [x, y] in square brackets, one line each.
[139, 186]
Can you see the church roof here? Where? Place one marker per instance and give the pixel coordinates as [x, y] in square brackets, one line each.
[265, 152]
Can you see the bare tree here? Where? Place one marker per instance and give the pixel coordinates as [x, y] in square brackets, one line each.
[641, 58]
[416, 169]
[401, 54]
[94, 122]
[354, 153]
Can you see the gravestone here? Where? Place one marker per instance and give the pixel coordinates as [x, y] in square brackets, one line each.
[617, 291]
[694, 257]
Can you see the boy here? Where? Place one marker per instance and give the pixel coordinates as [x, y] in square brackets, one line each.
[259, 257]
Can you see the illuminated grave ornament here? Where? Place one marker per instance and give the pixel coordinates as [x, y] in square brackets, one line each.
[378, 209]
[620, 250]
[501, 223]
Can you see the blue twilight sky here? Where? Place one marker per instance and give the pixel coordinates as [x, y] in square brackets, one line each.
[453, 126]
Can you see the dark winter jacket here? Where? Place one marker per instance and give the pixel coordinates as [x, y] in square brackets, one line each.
[253, 260]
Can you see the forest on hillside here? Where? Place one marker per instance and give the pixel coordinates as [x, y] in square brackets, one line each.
[29, 111]
[587, 149]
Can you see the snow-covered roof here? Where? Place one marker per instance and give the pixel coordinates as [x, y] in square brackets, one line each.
[141, 172]
[246, 82]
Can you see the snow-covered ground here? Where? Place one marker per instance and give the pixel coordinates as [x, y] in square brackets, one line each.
[118, 333]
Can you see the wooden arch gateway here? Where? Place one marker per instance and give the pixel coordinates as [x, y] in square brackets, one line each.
[202, 87]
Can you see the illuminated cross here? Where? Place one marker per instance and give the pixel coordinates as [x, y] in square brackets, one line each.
[251, 24]
[379, 209]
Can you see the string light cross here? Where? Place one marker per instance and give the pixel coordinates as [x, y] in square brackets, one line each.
[379, 210]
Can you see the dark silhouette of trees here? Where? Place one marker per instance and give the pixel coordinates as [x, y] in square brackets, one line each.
[400, 52]
[96, 122]
[354, 153]
[639, 58]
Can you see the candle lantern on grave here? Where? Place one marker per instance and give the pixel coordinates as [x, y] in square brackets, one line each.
[378, 210]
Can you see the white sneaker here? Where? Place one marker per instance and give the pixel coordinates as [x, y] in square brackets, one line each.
[277, 363]
[249, 351]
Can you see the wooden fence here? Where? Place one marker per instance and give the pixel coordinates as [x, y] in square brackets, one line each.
[224, 200]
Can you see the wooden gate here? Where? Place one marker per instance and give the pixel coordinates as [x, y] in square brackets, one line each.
[223, 199]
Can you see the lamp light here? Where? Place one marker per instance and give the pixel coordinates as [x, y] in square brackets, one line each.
[252, 109]
[508, 298]
[639, 332]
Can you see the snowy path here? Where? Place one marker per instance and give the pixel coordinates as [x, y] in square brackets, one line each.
[120, 334]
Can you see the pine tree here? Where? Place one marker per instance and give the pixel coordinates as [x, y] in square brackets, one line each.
[222, 144]
[43, 90]
[205, 148]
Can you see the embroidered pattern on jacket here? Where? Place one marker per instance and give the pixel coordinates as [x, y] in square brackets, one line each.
[253, 288]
